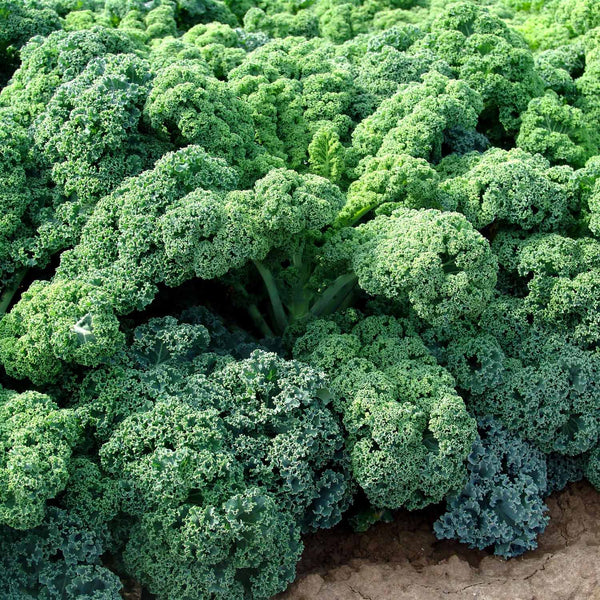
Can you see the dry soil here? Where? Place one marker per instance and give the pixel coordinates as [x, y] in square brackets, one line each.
[403, 561]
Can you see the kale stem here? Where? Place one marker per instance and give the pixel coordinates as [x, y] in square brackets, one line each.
[259, 321]
[362, 212]
[281, 319]
[334, 295]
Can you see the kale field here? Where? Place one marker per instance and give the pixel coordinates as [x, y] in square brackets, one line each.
[273, 267]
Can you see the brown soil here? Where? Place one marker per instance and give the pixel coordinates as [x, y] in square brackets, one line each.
[403, 561]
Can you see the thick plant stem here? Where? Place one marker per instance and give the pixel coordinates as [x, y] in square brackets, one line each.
[9, 293]
[259, 321]
[357, 216]
[281, 320]
[361, 213]
[334, 296]
[254, 313]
